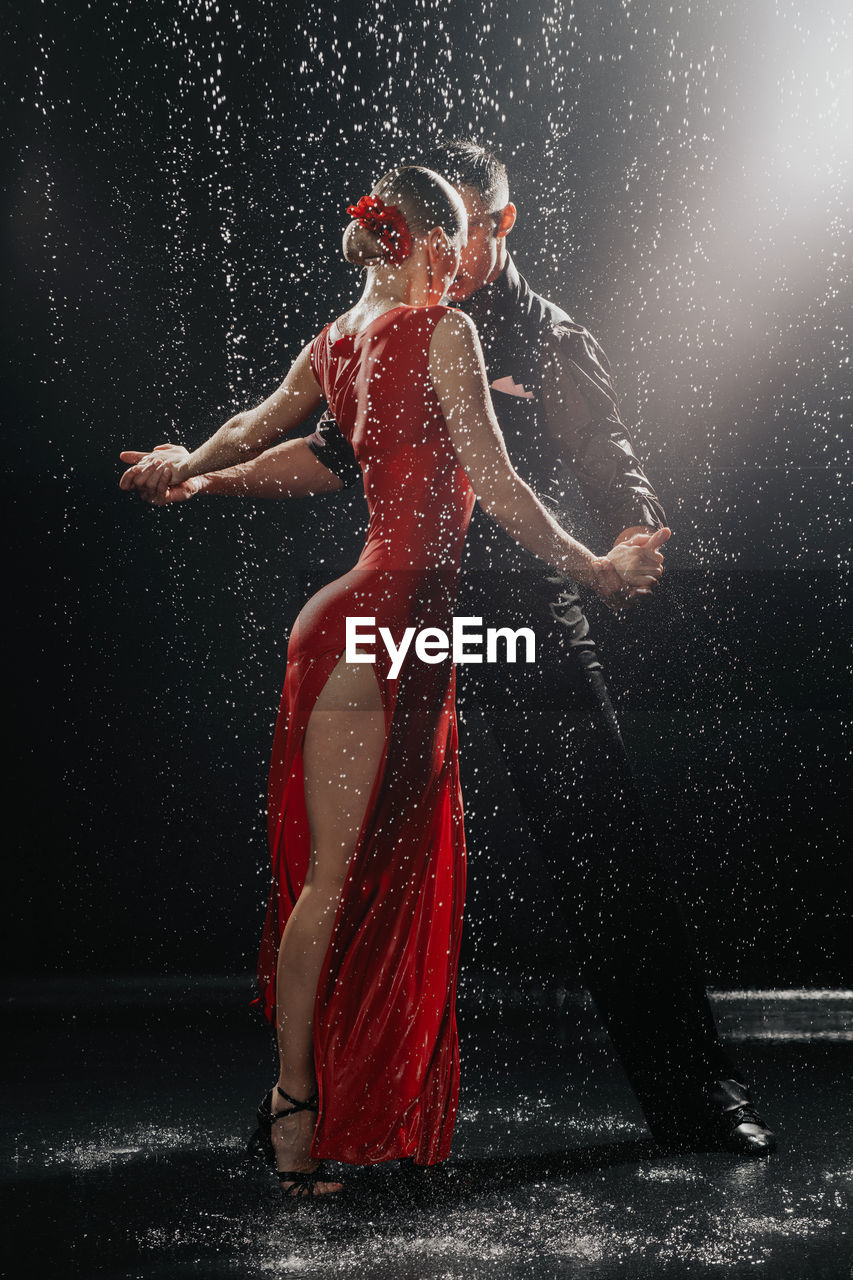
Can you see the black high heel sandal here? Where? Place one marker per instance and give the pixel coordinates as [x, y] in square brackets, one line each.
[261, 1141]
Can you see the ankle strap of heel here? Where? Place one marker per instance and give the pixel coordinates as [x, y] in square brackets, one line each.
[310, 1104]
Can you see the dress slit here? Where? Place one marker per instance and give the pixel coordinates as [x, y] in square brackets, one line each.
[296, 780]
[288, 815]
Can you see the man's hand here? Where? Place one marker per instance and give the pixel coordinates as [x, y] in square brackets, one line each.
[641, 536]
[631, 568]
[636, 530]
[155, 476]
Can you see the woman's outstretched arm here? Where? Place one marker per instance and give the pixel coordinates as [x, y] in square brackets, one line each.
[239, 439]
[458, 374]
[287, 470]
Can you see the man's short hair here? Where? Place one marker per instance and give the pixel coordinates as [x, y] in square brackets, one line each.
[466, 164]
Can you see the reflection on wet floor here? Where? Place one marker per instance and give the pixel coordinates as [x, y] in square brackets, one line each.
[136, 1167]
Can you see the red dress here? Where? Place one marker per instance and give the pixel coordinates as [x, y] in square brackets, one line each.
[385, 1045]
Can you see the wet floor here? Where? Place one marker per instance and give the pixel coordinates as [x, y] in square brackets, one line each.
[131, 1102]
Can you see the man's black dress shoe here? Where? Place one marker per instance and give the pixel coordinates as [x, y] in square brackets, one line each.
[725, 1120]
[735, 1123]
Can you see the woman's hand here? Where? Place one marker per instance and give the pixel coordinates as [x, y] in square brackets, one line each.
[156, 476]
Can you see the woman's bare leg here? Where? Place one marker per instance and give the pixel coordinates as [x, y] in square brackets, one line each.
[341, 751]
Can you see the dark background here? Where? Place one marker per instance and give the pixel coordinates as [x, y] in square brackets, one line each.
[176, 183]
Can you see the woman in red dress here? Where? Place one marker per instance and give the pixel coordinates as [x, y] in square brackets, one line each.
[358, 961]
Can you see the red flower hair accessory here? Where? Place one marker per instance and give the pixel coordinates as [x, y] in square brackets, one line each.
[388, 225]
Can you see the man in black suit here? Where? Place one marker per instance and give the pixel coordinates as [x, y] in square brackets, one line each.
[553, 719]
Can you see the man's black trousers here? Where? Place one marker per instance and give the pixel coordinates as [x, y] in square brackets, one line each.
[555, 726]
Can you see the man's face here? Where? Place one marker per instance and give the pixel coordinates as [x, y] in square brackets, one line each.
[483, 256]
